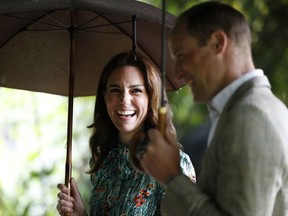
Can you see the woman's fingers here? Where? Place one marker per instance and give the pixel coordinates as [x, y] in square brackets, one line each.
[66, 202]
[65, 206]
[63, 189]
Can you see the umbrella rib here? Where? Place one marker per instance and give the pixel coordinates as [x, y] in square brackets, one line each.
[56, 20]
[40, 30]
[104, 25]
[33, 21]
[101, 32]
[88, 21]
[88, 28]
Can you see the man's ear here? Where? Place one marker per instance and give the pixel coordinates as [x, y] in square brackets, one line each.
[218, 40]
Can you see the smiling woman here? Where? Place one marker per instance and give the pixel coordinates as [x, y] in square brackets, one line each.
[127, 101]
[128, 98]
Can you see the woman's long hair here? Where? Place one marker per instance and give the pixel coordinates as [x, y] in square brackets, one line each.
[104, 134]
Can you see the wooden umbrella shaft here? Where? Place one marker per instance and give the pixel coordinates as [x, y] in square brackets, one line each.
[68, 165]
[162, 112]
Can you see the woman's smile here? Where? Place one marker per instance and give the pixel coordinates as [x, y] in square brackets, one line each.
[126, 114]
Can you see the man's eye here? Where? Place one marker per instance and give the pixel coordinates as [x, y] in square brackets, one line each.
[180, 57]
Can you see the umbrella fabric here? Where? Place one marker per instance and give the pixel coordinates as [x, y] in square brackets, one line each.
[35, 41]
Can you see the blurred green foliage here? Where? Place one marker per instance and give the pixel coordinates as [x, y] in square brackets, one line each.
[32, 150]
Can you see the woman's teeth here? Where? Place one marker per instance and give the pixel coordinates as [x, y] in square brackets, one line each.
[126, 113]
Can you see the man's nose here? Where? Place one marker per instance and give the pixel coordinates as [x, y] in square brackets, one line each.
[178, 72]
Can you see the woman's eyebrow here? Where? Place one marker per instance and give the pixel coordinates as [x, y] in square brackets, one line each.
[131, 86]
[113, 86]
[137, 85]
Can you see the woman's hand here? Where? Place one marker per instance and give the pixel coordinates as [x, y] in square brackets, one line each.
[70, 202]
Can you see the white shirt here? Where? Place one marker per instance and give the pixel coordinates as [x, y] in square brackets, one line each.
[217, 104]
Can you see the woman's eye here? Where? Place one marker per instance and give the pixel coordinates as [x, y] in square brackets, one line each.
[114, 90]
[137, 90]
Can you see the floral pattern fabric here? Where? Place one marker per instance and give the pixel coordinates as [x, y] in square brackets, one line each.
[118, 189]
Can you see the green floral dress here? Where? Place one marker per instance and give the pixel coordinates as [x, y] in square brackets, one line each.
[118, 189]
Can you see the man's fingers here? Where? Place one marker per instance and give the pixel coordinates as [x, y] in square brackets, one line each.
[171, 139]
[156, 137]
[153, 134]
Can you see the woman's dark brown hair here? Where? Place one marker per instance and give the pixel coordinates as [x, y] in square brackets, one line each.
[104, 134]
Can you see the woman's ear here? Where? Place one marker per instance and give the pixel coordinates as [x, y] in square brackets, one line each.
[219, 41]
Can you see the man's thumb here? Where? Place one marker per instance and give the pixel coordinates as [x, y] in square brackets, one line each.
[171, 138]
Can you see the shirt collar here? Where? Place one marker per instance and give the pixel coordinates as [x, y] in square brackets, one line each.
[217, 104]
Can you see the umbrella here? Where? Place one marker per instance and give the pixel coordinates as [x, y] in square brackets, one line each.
[35, 40]
[61, 46]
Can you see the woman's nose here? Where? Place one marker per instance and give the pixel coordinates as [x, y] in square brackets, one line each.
[126, 98]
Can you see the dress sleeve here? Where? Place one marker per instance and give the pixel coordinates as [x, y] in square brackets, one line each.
[187, 166]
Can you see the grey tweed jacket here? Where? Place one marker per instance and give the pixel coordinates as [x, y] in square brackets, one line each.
[245, 169]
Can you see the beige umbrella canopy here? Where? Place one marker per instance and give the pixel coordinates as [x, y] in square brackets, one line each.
[61, 46]
[35, 41]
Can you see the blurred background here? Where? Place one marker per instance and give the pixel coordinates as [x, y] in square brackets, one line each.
[33, 125]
